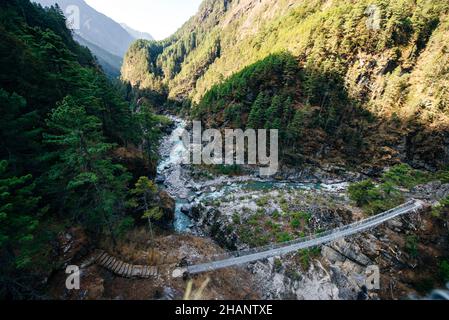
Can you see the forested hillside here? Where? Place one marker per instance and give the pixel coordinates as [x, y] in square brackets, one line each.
[62, 127]
[354, 87]
[371, 84]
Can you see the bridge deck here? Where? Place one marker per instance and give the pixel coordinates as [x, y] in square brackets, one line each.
[242, 257]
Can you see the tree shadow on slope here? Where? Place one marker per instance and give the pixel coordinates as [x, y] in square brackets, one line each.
[317, 119]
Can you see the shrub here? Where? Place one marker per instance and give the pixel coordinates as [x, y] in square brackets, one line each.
[253, 220]
[425, 285]
[236, 218]
[262, 201]
[443, 176]
[306, 256]
[283, 237]
[125, 225]
[295, 223]
[405, 176]
[277, 265]
[444, 270]
[411, 246]
[363, 192]
[376, 199]
[443, 205]
[229, 170]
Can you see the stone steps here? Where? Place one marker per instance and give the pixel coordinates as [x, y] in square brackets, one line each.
[123, 269]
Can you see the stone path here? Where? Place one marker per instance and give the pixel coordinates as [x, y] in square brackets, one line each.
[124, 269]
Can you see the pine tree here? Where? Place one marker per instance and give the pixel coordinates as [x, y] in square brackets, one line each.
[92, 186]
[19, 135]
[256, 118]
[150, 131]
[144, 199]
[295, 128]
[288, 112]
[19, 220]
[274, 113]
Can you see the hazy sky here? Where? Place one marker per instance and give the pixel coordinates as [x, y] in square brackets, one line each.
[160, 18]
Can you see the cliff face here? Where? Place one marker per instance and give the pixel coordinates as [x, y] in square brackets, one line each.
[387, 58]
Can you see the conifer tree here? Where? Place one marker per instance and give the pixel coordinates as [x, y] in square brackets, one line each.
[256, 118]
[19, 220]
[91, 184]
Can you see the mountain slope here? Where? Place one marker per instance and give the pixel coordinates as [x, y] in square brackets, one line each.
[97, 28]
[386, 57]
[110, 63]
[137, 34]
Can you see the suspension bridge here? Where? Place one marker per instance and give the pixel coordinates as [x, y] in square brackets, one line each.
[252, 255]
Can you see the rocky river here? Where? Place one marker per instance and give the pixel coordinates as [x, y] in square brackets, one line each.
[244, 211]
[216, 213]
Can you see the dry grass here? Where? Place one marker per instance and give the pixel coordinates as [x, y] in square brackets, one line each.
[136, 247]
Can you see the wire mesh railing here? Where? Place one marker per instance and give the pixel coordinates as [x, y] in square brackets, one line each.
[312, 240]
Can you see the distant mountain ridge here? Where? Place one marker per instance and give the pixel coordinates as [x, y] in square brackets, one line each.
[107, 39]
[97, 28]
[137, 34]
[109, 62]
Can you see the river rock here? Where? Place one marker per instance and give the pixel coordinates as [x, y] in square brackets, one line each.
[186, 209]
[351, 252]
[433, 191]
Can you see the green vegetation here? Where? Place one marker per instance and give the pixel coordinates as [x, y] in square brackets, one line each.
[305, 257]
[262, 201]
[277, 265]
[257, 103]
[19, 217]
[228, 170]
[283, 237]
[145, 200]
[404, 176]
[444, 270]
[312, 71]
[336, 89]
[425, 285]
[260, 228]
[411, 246]
[442, 207]
[376, 198]
[373, 198]
[388, 192]
[61, 125]
[93, 187]
[251, 237]
[295, 223]
[276, 215]
[299, 218]
[236, 218]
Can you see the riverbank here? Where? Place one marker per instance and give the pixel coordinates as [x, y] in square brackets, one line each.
[244, 211]
[216, 213]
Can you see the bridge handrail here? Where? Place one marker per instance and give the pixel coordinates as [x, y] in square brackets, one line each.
[327, 233]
